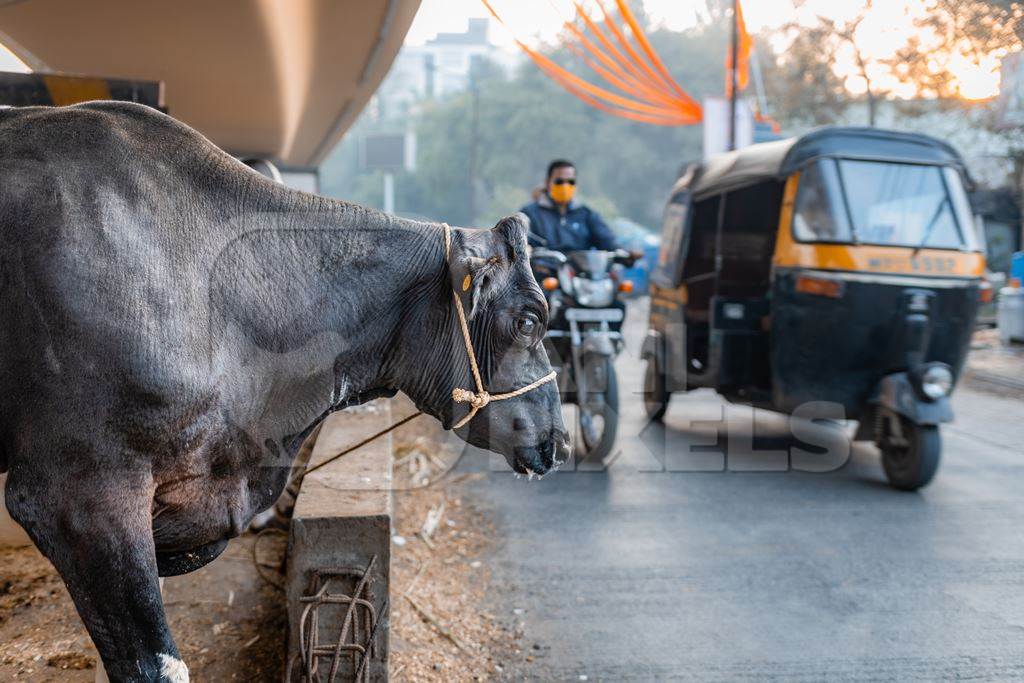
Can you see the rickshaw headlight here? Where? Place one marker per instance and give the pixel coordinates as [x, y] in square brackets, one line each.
[593, 293]
[936, 382]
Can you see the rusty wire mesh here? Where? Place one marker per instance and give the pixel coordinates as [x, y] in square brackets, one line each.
[350, 653]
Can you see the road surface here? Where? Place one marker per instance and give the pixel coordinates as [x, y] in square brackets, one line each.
[682, 562]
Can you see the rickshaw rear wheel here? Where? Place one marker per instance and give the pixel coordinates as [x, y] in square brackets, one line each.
[656, 395]
[911, 462]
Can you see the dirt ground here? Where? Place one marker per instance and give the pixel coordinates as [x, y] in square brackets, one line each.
[995, 367]
[230, 624]
[441, 629]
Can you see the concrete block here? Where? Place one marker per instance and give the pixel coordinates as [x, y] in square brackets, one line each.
[342, 520]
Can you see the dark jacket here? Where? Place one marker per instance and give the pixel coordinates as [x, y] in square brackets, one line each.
[576, 230]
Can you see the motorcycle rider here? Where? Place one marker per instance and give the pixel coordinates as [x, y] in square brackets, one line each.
[560, 221]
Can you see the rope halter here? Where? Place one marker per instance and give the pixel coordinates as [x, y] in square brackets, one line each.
[479, 399]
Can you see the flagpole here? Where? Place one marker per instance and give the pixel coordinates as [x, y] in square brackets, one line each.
[734, 48]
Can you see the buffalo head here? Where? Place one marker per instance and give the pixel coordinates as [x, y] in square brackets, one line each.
[489, 270]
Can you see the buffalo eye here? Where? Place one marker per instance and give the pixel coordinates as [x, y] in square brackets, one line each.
[527, 326]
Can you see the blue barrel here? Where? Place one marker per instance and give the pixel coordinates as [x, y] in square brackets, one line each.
[1017, 266]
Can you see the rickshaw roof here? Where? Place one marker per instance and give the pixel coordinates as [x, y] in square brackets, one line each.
[778, 159]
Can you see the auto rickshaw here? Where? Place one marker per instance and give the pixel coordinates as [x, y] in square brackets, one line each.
[842, 266]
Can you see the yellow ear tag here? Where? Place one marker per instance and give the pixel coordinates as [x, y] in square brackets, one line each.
[466, 281]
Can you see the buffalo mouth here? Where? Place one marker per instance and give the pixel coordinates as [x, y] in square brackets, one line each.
[542, 458]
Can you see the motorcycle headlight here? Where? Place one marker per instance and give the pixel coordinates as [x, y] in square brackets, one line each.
[936, 382]
[593, 293]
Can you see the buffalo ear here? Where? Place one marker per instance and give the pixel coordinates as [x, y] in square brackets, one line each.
[513, 230]
[487, 275]
[481, 261]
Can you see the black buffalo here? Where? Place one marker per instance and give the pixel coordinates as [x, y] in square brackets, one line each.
[172, 325]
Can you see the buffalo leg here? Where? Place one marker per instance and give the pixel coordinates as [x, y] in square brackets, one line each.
[97, 535]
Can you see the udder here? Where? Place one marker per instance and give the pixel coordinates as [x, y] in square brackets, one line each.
[177, 563]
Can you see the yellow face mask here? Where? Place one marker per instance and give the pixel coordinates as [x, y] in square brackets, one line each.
[562, 194]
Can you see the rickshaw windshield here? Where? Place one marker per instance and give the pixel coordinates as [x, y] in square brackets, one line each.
[884, 203]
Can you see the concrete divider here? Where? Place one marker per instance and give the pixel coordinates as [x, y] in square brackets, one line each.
[340, 527]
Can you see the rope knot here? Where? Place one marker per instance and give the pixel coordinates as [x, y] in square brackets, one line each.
[478, 401]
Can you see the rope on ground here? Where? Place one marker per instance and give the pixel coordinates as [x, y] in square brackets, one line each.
[396, 425]
[262, 567]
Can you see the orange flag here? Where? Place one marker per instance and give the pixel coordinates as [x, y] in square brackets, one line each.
[648, 95]
[744, 45]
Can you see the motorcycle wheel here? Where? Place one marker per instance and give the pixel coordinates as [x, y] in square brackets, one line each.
[598, 409]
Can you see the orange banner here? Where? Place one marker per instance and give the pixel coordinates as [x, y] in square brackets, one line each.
[638, 33]
[565, 76]
[643, 118]
[744, 44]
[615, 74]
[635, 59]
[650, 95]
[626, 61]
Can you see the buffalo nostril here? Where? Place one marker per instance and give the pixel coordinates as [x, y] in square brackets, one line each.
[547, 452]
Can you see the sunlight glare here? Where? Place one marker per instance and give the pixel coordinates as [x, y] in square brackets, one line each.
[976, 81]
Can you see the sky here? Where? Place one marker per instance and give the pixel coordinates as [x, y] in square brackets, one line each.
[886, 29]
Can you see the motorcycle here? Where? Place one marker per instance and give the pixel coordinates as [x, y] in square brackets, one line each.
[584, 337]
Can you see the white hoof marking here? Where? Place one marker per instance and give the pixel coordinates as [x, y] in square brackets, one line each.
[173, 669]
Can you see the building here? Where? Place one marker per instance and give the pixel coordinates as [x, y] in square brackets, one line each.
[439, 68]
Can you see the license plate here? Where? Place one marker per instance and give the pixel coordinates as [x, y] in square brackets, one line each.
[594, 315]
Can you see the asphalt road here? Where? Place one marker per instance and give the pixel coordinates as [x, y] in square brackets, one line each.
[680, 561]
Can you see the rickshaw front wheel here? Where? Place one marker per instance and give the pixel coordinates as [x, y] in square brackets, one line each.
[656, 395]
[911, 458]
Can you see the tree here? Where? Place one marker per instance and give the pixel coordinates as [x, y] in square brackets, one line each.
[986, 25]
[848, 32]
[801, 81]
[803, 77]
[974, 29]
